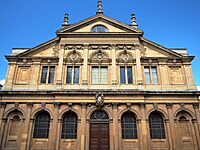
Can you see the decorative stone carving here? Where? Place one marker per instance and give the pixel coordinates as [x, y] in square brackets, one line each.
[16, 105]
[155, 105]
[55, 52]
[169, 105]
[182, 105]
[74, 56]
[99, 99]
[2, 104]
[115, 105]
[56, 105]
[43, 105]
[128, 105]
[142, 105]
[196, 105]
[84, 105]
[114, 82]
[29, 104]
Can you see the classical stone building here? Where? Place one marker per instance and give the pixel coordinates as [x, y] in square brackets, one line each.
[99, 85]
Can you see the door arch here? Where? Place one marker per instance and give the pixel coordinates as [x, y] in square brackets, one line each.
[99, 131]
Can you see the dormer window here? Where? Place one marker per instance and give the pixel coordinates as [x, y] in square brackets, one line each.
[99, 28]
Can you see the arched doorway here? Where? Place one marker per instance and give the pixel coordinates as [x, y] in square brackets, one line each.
[99, 131]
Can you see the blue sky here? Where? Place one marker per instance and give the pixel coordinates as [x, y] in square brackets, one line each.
[171, 23]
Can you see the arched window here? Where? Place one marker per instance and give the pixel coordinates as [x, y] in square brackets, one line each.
[42, 124]
[129, 126]
[156, 125]
[99, 28]
[69, 126]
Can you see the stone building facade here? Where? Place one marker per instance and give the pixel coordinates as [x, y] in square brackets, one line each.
[99, 85]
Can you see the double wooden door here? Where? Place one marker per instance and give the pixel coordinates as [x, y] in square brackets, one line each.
[99, 136]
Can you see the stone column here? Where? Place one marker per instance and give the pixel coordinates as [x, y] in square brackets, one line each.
[144, 132]
[60, 67]
[83, 126]
[54, 126]
[58, 135]
[115, 126]
[114, 67]
[24, 143]
[189, 76]
[170, 126]
[85, 64]
[139, 73]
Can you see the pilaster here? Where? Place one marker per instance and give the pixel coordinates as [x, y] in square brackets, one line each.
[60, 67]
[25, 144]
[115, 126]
[85, 64]
[144, 138]
[170, 126]
[83, 126]
[114, 67]
[139, 67]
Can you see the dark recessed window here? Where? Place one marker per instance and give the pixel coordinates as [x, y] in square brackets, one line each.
[99, 28]
[72, 75]
[47, 76]
[42, 124]
[69, 126]
[129, 126]
[156, 125]
[126, 75]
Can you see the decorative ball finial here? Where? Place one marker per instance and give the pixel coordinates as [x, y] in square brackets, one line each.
[133, 21]
[99, 7]
[66, 19]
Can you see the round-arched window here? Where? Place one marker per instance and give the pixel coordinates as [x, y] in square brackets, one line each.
[99, 28]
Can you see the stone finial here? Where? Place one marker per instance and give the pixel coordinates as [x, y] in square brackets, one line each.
[133, 21]
[66, 19]
[99, 7]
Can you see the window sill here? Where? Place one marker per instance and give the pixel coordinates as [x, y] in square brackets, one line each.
[41, 140]
[158, 140]
[130, 140]
[68, 140]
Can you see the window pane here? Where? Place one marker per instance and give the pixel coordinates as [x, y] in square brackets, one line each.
[69, 75]
[154, 75]
[42, 124]
[44, 74]
[147, 75]
[104, 75]
[156, 125]
[69, 126]
[99, 28]
[129, 126]
[76, 75]
[51, 74]
[95, 75]
[122, 75]
[130, 75]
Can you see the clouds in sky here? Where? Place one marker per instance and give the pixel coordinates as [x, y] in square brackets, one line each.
[2, 82]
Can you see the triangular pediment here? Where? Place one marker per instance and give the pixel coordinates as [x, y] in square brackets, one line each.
[153, 49]
[112, 25]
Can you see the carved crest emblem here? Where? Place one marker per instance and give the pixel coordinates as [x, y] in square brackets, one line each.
[99, 99]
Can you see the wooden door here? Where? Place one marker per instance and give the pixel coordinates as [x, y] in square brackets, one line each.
[99, 136]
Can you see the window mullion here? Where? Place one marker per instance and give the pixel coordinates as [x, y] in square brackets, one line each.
[72, 75]
[48, 72]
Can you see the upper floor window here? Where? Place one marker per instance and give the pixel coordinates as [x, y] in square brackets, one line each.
[72, 74]
[151, 75]
[99, 75]
[126, 75]
[99, 28]
[47, 74]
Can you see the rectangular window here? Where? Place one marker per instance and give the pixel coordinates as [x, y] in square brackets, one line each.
[126, 75]
[151, 75]
[47, 74]
[99, 75]
[72, 76]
